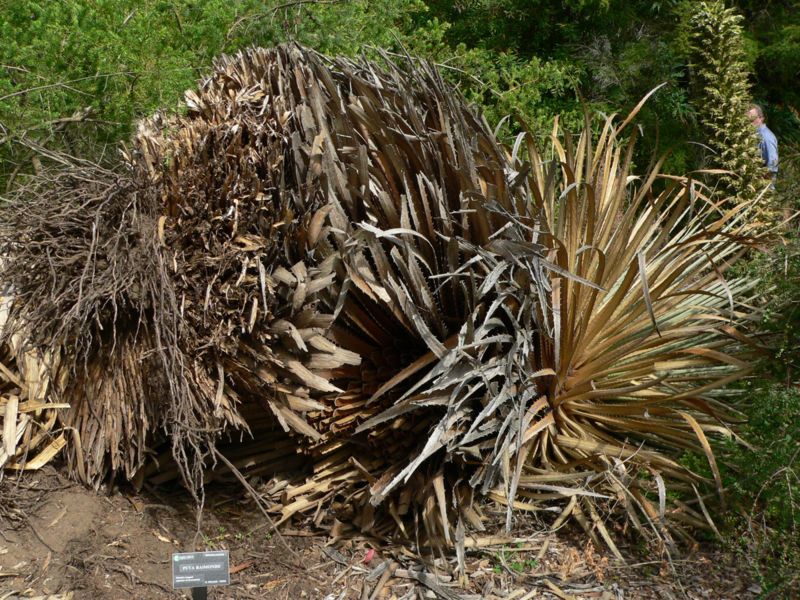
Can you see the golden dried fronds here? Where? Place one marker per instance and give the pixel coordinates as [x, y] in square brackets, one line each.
[344, 252]
[28, 414]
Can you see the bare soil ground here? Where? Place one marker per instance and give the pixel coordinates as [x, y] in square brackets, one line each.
[59, 540]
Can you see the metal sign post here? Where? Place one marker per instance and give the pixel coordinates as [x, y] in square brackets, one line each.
[200, 593]
[199, 570]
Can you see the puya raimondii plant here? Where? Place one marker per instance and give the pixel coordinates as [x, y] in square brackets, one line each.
[719, 74]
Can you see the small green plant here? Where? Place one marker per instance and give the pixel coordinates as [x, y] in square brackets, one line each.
[508, 559]
[216, 541]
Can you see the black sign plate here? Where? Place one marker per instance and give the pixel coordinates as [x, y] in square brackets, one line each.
[200, 569]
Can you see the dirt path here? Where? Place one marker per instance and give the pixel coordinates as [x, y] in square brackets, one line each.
[57, 538]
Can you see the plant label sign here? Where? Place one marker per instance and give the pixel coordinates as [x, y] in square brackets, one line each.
[200, 569]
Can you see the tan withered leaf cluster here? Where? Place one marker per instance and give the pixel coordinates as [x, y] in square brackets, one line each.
[27, 416]
[339, 260]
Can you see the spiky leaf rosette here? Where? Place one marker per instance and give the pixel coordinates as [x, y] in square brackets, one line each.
[340, 234]
[587, 396]
[592, 393]
[642, 357]
[343, 251]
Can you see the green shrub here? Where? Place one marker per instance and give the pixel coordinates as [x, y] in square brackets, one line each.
[764, 487]
[76, 75]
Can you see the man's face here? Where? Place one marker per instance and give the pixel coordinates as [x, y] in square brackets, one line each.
[754, 118]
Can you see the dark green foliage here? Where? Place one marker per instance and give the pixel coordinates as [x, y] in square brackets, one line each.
[104, 63]
[765, 486]
[110, 62]
[763, 480]
[772, 471]
[778, 269]
[75, 76]
[620, 72]
[720, 80]
[614, 53]
[781, 267]
[774, 32]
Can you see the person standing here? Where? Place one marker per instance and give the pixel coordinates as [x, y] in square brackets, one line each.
[768, 143]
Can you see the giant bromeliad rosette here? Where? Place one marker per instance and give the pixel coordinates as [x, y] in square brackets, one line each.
[339, 260]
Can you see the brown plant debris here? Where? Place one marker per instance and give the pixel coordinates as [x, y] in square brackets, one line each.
[338, 260]
[27, 409]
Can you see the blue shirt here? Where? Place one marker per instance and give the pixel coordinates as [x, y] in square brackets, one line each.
[769, 148]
